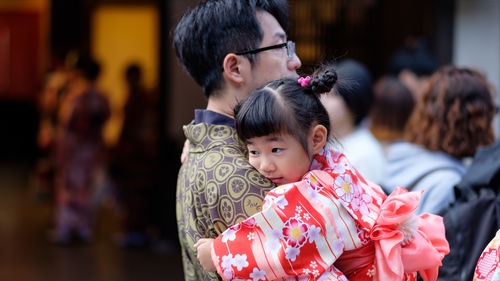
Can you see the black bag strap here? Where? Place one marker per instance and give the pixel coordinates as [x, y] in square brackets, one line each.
[415, 182]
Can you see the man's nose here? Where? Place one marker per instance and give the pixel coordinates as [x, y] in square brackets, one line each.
[294, 62]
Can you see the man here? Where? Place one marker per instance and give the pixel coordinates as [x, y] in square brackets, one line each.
[229, 47]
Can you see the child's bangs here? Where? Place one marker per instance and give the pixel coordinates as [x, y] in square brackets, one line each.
[263, 116]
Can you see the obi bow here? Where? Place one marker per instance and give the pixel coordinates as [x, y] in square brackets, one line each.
[406, 243]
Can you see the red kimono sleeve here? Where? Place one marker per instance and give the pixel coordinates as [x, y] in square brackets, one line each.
[294, 235]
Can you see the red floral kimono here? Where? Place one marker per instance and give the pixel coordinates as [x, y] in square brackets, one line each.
[333, 225]
[487, 267]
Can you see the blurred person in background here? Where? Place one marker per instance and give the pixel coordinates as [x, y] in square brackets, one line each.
[391, 110]
[79, 152]
[413, 64]
[229, 47]
[348, 104]
[134, 160]
[451, 120]
[48, 106]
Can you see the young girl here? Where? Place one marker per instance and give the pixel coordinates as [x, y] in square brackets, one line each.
[325, 221]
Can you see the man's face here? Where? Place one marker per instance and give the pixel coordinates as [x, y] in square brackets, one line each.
[272, 64]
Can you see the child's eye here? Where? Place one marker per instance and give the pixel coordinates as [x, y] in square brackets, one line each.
[253, 152]
[277, 150]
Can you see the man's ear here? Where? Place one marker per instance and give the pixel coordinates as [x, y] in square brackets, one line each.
[319, 138]
[234, 68]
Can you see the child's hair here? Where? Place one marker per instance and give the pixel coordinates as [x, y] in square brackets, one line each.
[284, 106]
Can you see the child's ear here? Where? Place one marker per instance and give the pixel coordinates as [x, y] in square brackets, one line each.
[233, 68]
[319, 138]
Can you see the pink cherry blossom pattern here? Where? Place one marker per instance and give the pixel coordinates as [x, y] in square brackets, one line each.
[230, 233]
[258, 274]
[345, 188]
[360, 202]
[295, 232]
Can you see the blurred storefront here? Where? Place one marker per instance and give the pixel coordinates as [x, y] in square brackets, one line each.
[35, 33]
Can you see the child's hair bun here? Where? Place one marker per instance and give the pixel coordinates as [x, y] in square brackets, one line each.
[323, 80]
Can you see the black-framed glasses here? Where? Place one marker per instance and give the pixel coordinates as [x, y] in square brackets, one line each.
[290, 49]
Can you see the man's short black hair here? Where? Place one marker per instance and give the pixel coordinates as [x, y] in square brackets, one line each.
[211, 30]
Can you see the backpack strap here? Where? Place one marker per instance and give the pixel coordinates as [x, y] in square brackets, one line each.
[421, 177]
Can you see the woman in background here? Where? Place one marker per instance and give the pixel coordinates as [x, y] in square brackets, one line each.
[451, 120]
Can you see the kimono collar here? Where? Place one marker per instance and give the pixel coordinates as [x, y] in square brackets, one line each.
[212, 117]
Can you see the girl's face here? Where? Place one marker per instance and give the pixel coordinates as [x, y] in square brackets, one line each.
[280, 158]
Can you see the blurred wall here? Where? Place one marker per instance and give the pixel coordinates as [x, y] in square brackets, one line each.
[121, 35]
[23, 48]
[23, 57]
[477, 40]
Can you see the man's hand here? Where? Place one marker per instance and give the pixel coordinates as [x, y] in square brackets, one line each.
[204, 247]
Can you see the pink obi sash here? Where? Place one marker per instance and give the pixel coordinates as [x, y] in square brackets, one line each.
[406, 243]
[402, 242]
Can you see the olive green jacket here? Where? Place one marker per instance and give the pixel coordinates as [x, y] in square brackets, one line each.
[216, 188]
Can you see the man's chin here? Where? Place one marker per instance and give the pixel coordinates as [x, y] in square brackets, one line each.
[293, 75]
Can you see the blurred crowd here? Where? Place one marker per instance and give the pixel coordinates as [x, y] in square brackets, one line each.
[77, 171]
